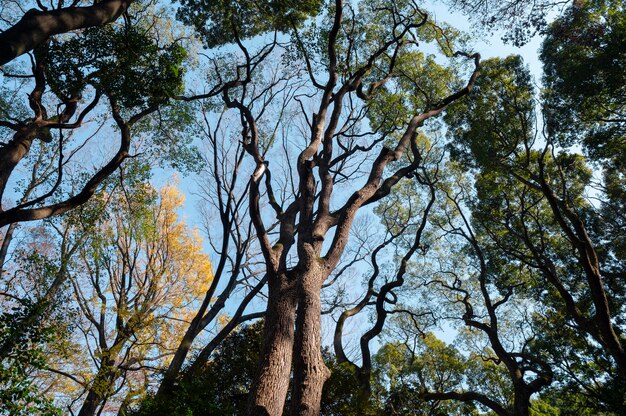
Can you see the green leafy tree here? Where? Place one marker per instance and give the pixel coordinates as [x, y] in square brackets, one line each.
[129, 65]
[531, 204]
[19, 393]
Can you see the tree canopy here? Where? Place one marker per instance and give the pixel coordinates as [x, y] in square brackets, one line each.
[311, 208]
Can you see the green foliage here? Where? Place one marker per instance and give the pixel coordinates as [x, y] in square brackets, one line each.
[584, 60]
[542, 408]
[221, 385]
[19, 394]
[525, 195]
[342, 396]
[125, 63]
[585, 81]
[430, 366]
[497, 119]
[521, 20]
[221, 22]
[170, 132]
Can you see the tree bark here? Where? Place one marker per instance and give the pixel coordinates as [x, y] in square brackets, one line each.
[521, 401]
[4, 248]
[310, 372]
[14, 152]
[100, 388]
[267, 397]
[35, 27]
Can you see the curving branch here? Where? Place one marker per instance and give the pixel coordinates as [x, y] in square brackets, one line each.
[35, 27]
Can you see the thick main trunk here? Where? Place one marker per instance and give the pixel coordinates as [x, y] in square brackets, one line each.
[268, 394]
[310, 372]
[36, 27]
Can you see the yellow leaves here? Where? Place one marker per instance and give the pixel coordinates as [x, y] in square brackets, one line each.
[223, 320]
[182, 247]
[144, 267]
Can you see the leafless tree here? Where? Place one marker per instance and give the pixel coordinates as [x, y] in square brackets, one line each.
[383, 296]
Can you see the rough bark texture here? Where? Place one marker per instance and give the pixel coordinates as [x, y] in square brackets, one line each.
[310, 372]
[36, 27]
[269, 393]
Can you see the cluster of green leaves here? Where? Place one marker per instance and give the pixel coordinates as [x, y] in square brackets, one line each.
[220, 386]
[502, 96]
[125, 63]
[222, 22]
[19, 393]
[585, 81]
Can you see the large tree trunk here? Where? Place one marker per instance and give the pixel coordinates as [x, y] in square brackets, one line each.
[36, 27]
[310, 372]
[267, 397]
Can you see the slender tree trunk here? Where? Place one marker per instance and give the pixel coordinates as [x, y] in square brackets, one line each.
[100, 388]
[169, 379]
[14, 152]
[267, 397]
[6, 243]
[310, 372]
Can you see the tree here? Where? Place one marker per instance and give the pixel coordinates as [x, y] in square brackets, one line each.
[405, 217]
[135, 281]
[520, 19]
[20, 394]
[531, 204]
[584, 82]
[489, 291]
[427, 364]
[37, 26]
[310, 218]
[137, 82]
[224, 190]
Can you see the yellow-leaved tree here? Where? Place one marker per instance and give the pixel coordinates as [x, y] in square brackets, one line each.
[136, 281]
